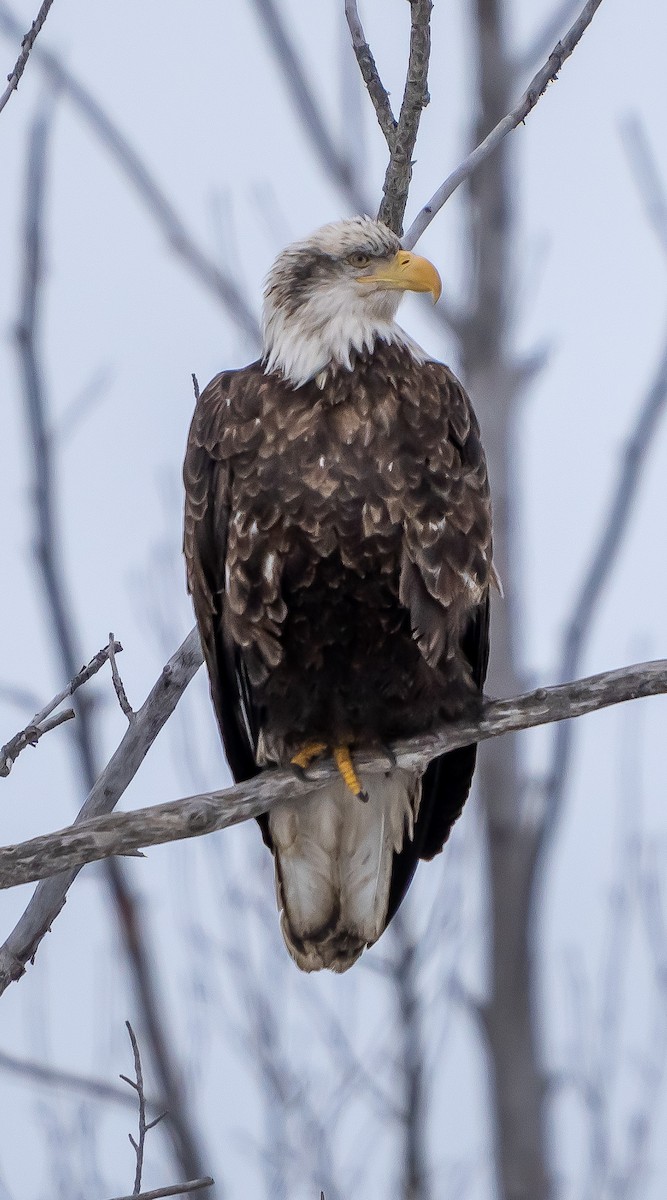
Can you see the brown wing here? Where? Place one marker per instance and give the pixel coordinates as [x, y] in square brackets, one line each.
[207, 480]
[447, 552]
[445, 577]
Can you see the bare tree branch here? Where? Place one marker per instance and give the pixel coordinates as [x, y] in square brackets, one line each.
[101, 837]
[536, 88]
[49, 898]
[39, 724]
[26, 46]
[306, 105]
[370, 74]
[415, 98]
[223, 286]
[145, 1125]
[602, 563]
[178, 1189]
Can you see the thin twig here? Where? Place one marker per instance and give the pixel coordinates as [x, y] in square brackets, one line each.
[144, 1126]
[26, 46]
[118, 683]
[177, 1189]
[29, 737]
[101, 837]
[40, 725]
[537, 87]
[370, 74]
[159, 208]
[415, 98]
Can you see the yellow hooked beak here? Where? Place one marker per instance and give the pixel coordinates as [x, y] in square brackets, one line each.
[408, 273]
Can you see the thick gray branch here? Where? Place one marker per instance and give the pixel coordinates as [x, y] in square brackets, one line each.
[26, 46]
[536, 88]
[49, 897]
[121, 833]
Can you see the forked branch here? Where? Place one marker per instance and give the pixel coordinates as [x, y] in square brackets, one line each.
[122, 833]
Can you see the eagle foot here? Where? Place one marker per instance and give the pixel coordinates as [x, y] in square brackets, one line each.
[342, 758]
[305, 756]
[346, 768]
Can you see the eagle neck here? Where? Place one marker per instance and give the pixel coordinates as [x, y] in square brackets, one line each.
[298, 356]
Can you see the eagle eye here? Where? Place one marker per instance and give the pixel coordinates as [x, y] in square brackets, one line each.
[358, 259]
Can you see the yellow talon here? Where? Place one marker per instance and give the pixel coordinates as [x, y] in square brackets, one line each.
[343, 760]
[307, 754]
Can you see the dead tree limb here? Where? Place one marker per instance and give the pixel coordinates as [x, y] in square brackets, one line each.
[536, 88]
[26, 46]
[34, 730]
[49, 897]
[121, 833]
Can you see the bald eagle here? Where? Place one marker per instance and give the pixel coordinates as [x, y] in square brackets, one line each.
[338, 549]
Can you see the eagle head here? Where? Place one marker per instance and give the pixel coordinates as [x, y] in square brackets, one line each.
[337, 293]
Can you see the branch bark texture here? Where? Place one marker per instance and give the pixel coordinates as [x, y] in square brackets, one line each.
[123, 833]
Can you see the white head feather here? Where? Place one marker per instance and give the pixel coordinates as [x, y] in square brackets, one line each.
[316, 312]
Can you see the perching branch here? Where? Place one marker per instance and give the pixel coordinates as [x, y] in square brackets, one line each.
[536, 88]
[40, 724]
[26, 46]
[415, 97]
[120, 833]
